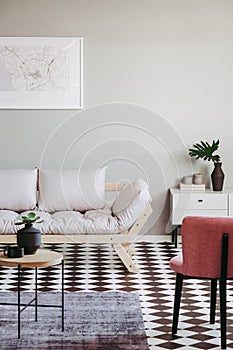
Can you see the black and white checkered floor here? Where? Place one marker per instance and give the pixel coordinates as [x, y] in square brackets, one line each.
[98, 268]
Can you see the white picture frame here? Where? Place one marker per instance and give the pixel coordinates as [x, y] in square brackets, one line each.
[41, 73]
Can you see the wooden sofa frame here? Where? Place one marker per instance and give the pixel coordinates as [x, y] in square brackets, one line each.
[121, 242]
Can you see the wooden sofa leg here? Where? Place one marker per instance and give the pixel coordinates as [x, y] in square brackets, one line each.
[129, 248]
[125, 258]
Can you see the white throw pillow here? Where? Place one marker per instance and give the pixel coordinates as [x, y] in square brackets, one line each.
[71, 190]
[131, 202]
[18, 189]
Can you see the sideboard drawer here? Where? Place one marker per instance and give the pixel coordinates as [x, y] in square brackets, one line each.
[178, 215]
[200, 201]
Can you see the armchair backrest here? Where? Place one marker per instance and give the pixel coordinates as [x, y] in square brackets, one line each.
[202, 245]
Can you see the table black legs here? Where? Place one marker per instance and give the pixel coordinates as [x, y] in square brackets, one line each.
[36, 302]
[35, 299]
[19, 276]
[62, 294]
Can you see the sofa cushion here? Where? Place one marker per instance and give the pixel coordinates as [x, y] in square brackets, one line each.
[131, 202]
[18, 189]
[99, 221]
[71, 190]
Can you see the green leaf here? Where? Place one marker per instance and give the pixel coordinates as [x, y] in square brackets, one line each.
[31, 216]
[29, 219]
[205, 150]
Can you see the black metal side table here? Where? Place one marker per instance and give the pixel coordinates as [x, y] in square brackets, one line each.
[42, 258]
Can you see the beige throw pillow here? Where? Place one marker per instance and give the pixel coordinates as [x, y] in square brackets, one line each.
[71, 190]
[18, 189]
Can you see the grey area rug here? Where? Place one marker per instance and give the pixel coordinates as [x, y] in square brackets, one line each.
[93, 321]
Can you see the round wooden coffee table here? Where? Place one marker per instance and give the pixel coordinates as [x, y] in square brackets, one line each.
[42, 258]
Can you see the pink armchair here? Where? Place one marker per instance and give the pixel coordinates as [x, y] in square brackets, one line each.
[207, 252]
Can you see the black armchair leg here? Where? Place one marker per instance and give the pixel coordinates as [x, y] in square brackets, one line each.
[213, 300]
[223, 289]
[223, 316]
[176, 310]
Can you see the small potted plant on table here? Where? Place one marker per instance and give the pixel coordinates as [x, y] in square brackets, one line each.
[29, 237]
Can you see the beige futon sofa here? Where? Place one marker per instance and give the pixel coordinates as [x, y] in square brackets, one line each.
[73, 207]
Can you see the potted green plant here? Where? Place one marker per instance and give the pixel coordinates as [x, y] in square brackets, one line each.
[206, 151]
[29, 237]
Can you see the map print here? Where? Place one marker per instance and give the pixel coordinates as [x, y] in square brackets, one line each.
[34, 68]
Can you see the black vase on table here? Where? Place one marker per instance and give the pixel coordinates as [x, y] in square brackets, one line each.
[29, 238]
[217, 177]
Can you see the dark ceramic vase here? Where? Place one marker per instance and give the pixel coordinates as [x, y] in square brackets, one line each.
[217, 177]
[29, 238]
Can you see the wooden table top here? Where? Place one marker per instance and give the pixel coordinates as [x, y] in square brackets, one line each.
[42, 258]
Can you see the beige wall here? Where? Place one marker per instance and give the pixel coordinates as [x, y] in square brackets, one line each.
[165, 67]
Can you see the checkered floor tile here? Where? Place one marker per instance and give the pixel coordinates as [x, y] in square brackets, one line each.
[98, 268]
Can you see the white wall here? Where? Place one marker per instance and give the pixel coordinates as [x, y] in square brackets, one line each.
[158, 76]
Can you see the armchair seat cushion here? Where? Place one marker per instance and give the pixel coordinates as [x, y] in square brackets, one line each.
[176, 263]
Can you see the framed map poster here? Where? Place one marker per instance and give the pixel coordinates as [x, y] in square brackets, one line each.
[41, 73]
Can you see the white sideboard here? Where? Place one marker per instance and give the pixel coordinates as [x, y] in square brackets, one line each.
[207, 203]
